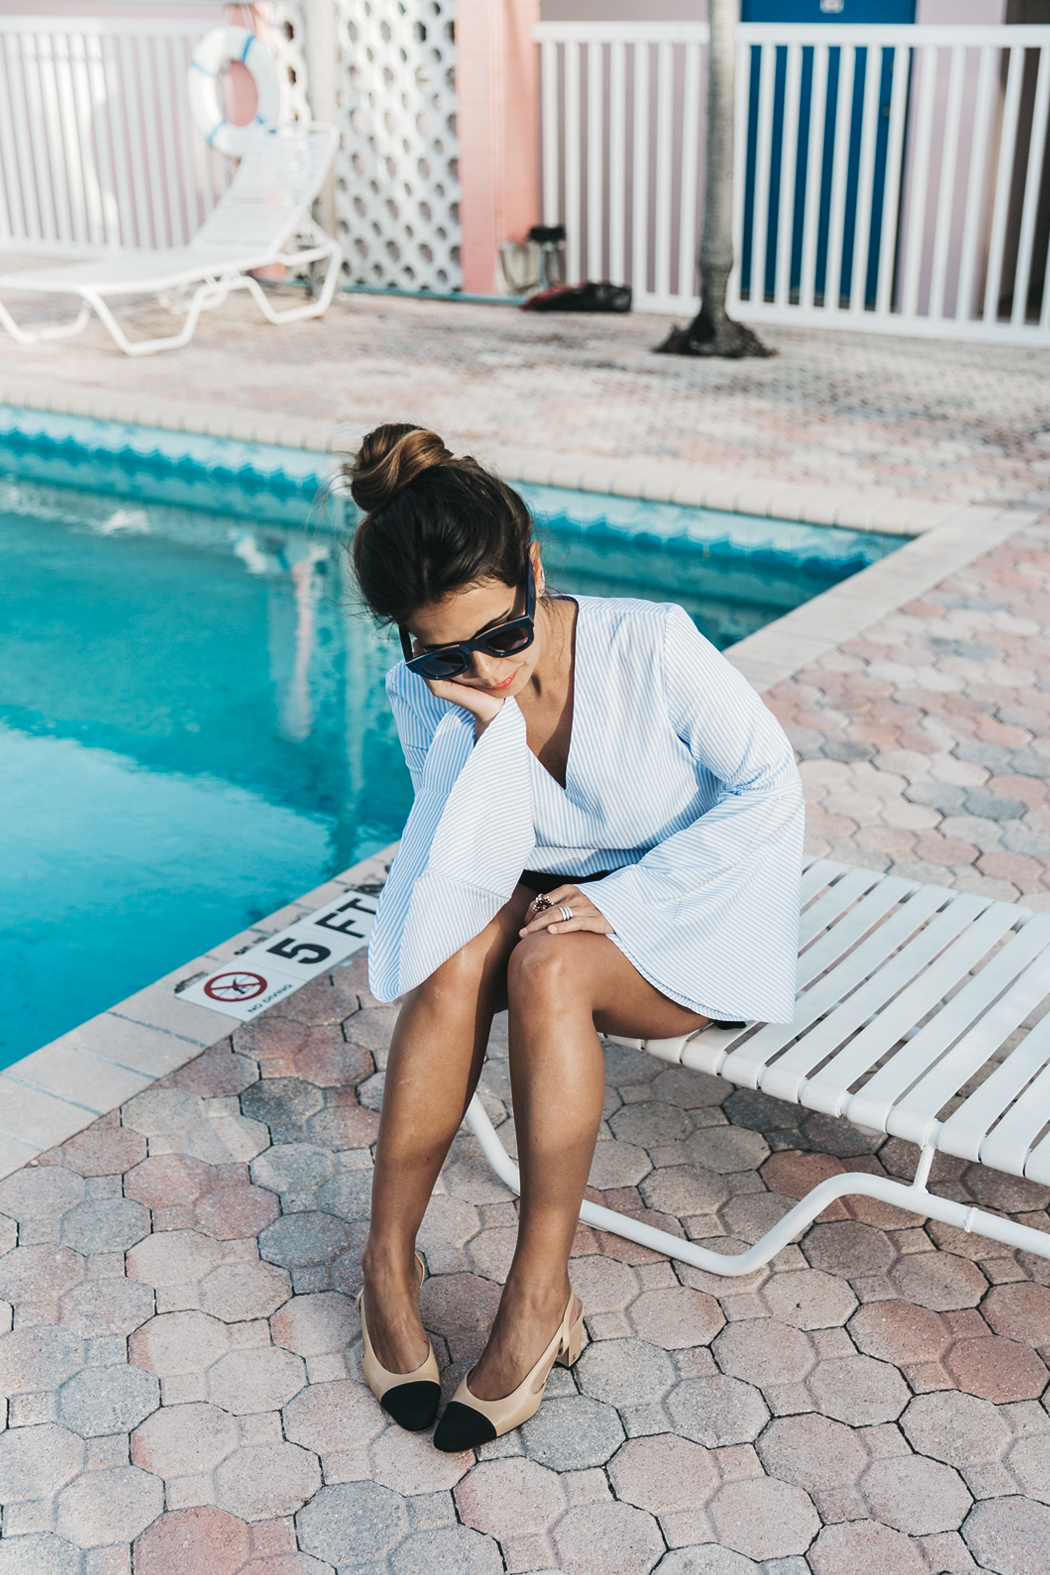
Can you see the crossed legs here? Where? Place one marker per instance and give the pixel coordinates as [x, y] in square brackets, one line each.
[561, 990]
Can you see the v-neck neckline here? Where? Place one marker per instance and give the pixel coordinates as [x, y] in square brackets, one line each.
[575, 674]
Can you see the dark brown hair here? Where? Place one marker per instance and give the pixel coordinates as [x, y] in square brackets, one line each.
[433, 523]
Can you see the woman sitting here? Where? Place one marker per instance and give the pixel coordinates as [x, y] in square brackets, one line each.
[606, 838]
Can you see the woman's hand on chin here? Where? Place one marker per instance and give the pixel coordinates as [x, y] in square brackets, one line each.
[484, 708]
[585, 915]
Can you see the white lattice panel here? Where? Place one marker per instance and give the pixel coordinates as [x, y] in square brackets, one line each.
[283, 31]
[397, 191]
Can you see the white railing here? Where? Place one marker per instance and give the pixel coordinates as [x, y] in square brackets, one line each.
[96, 143]
[887, 178]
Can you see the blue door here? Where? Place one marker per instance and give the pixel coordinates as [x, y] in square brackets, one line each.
[809, 11]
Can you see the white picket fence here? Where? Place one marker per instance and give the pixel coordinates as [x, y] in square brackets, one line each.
[96, 143]
[891, 179]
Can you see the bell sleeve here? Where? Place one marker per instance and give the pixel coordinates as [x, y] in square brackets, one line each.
[468, 837]
[710, 914]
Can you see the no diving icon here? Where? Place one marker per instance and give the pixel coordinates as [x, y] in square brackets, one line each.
[239, 986]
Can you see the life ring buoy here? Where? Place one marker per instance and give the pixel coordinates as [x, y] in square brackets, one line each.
[215, 51]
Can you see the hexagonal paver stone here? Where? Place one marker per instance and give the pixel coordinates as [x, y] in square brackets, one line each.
[289, 1167]
[409, 1464]
[849, 1249]
[260, 1481]
[39, 1554]
[676, 1317]
[236, 1292]
[650, 1122]
[900, 1332]
[1020, 1311]
[37, 1358]
[629, 1374]
[664, 1473]
[173, 1257]
[296, 1240]
[764, 1352]
[813, 1452]
[604, 1284]
[162, 1110]
[717, 1411]
[938, 1280]
[613, 1538]
[110, 1306]
[101, 1400]
[225, 1140]
[958, 1429]
[617, 1164]
[915, 1495]
[452, 1302]
[452, 1550]
[178, 1342]
[572, 1433]
[36, 1461]
[217, 1073]
[183, 1440]
[43, 1192]
[809, 1298]
[38, 1274]
[256, 1379]
[316, 1325]
[166, 1179]
[706, 1558]
[996, 1369]
[865, 1545]
[109, 1506]
[204, 1541]
[343, 1123]
[352, 1523]
[509, 1498]
[336, 1416]
[106, 1225]
[858, 1390]
[233, 1211]
[682, 1190]
[727, 1149]
[1029, 1460]
[104, 1149]
[1010, 1536]
[349, 1195]
[763, 1518]
[283, 1103]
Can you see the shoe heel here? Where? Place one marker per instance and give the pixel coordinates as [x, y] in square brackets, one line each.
[570, 1351]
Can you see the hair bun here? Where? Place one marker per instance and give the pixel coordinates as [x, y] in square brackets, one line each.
[388, 460]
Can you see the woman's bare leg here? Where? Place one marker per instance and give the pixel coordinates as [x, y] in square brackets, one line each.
[561, 988]
[436, 1053]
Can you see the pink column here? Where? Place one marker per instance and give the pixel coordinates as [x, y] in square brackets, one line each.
[497, 83]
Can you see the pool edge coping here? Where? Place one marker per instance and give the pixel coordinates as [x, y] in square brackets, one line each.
[667, 479]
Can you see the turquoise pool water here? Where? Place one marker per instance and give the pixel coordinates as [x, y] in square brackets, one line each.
[193, 727]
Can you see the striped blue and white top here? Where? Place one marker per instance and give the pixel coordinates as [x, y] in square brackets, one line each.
[679, 781]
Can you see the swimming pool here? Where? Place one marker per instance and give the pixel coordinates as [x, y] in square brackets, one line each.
[192, 717]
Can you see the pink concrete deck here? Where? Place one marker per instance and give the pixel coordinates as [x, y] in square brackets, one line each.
[183, 1372]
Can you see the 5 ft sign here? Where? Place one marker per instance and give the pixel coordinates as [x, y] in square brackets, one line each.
[277, 966]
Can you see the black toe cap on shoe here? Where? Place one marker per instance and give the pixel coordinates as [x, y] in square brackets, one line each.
[413, 1406]
[461, 1427]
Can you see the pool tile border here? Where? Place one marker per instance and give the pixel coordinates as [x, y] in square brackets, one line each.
[58, 1090]
[663, 480]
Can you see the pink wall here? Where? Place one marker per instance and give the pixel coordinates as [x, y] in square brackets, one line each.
[498, 129]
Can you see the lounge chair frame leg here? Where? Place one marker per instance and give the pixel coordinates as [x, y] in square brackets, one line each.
[36, 336]
[914, 1197]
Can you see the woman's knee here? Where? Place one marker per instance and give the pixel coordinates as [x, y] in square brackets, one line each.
[545, 967]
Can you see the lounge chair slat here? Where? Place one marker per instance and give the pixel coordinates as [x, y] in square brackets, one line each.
[843, 936]
[966, 1129]
[833, 903]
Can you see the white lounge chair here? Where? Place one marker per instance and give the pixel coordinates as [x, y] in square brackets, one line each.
[263, 217]
[910, 996]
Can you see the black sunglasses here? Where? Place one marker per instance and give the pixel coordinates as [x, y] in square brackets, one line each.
[505, 640]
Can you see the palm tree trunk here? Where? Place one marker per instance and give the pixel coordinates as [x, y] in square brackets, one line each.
[712, 332]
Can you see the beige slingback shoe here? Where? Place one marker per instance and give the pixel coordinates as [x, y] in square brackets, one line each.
[410, 1398]
[468, 1421]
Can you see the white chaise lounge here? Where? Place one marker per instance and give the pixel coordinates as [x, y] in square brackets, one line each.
[910, 1014]
[263, 218]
